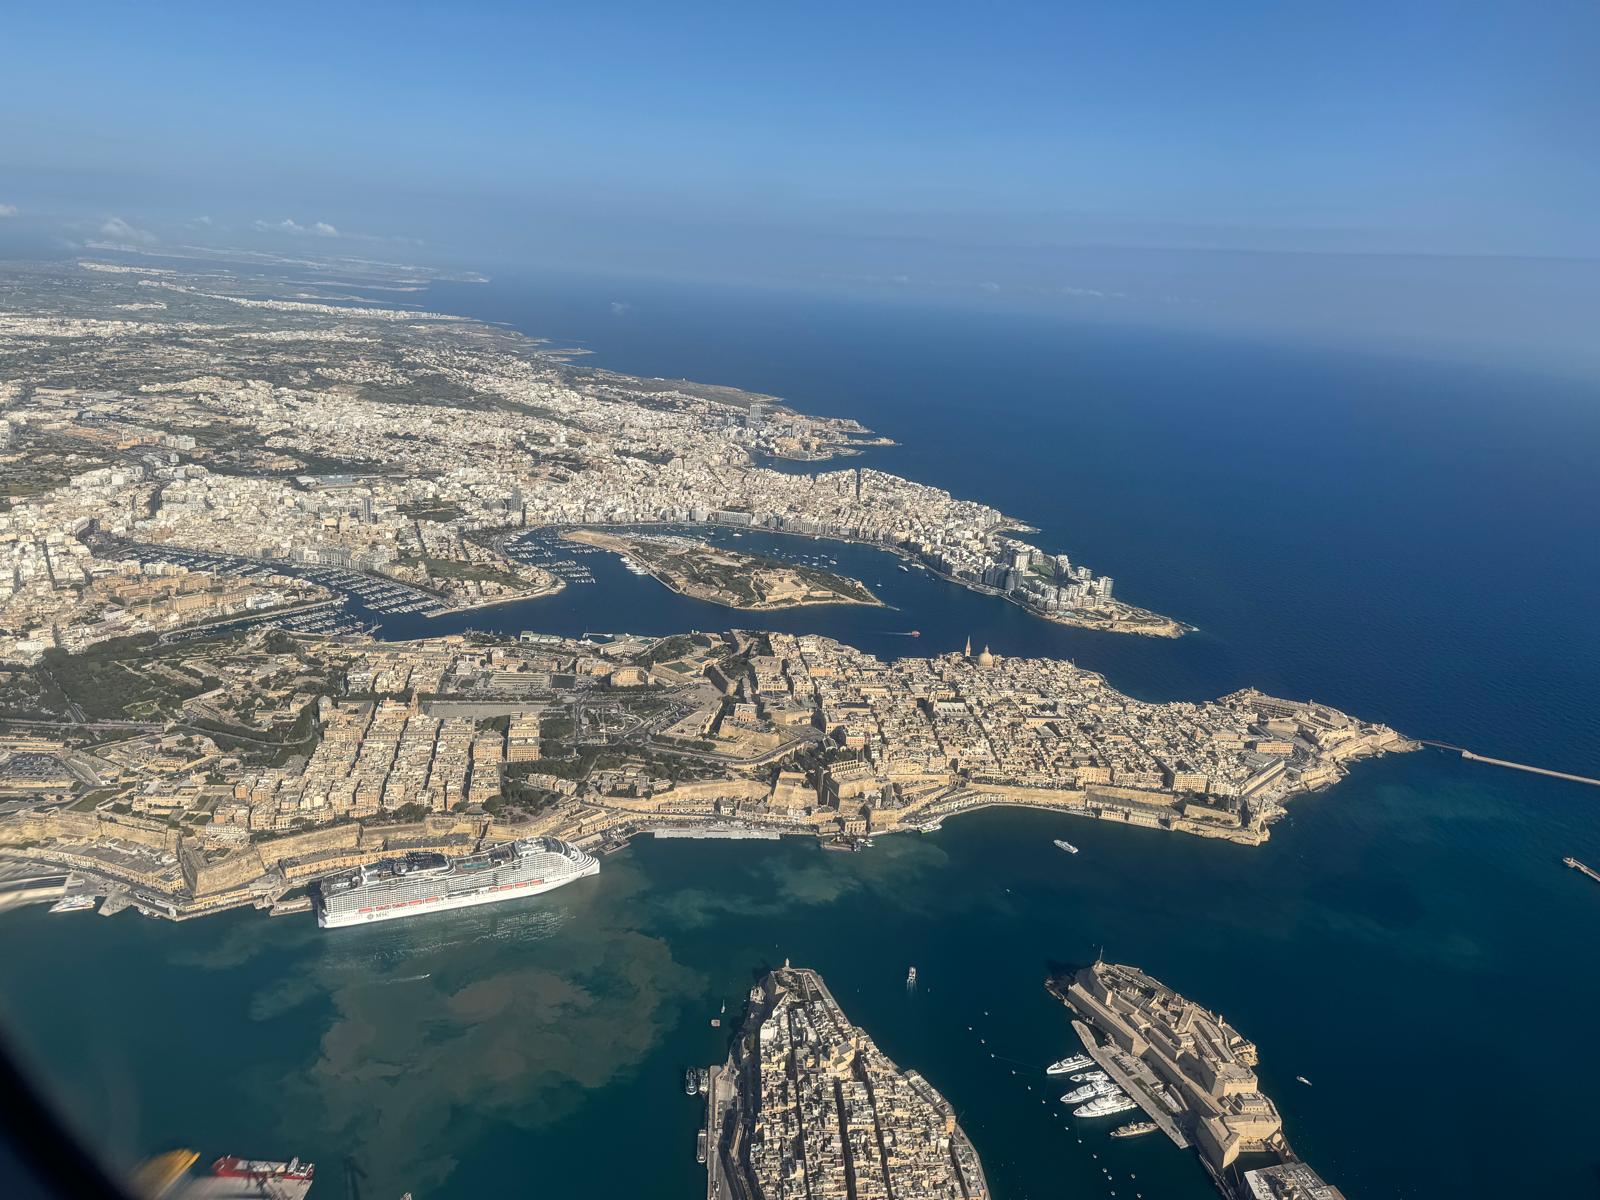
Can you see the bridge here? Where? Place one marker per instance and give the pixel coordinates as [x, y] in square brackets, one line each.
[1515, 766]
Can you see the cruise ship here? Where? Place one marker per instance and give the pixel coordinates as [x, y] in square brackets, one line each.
[426, 882]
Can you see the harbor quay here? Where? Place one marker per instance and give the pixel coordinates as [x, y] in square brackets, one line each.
[1193, 1074]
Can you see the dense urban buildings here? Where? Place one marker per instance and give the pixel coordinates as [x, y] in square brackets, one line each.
[159, 414]
[815, 1111]
[233, 769]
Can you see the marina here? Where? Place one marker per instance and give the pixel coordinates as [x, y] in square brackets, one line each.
[1191, 1072]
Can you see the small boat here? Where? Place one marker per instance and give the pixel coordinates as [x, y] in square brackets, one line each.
[1060, 844]
[1134, 1129]
[911, 978]
[1303, 1080]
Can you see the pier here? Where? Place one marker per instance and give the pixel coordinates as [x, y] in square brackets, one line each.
[1515, 766]
[717, 832]
[1133, 1077]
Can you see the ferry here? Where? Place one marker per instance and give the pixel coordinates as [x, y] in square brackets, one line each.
[1061, 844]
[1067, 1065]
[1105, 1106]
[690, 1082]
[1134, 1129]
[428, 882]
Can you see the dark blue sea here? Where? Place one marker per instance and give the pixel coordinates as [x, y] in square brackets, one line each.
[1409, 539]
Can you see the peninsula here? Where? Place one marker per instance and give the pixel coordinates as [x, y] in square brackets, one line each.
[242, 763]
[732, 578]
[1194, 1076]
[808, 1108]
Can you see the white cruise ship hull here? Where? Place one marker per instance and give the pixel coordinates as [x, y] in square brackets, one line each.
[415, 908]
[380, 896]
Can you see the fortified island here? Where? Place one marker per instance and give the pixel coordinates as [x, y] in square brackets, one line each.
[1193, 1074]
[728, 577]
[808, 1108]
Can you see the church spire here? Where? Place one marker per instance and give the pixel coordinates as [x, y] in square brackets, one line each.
[968, 651]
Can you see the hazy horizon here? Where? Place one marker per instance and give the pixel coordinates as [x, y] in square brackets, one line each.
[1416, 174]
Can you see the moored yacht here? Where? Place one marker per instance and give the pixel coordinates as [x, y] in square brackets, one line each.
[1089, 1091]
[1075, 1063]
[1104, 1106]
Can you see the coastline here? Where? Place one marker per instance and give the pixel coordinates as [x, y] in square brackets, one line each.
[607, 824]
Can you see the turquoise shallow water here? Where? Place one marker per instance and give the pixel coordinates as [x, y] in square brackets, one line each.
[1407, 540]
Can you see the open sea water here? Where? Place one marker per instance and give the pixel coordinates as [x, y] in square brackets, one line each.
[1411, 540]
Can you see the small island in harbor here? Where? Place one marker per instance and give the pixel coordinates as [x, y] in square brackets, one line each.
[732, 578]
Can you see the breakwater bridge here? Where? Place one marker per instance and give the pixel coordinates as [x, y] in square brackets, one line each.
[1515, 766]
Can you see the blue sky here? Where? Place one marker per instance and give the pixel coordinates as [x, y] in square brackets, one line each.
[961, 146]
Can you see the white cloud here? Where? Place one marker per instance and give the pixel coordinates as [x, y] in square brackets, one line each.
[119, 230]
[1092, 293]
[8, 210]
[291, 226]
